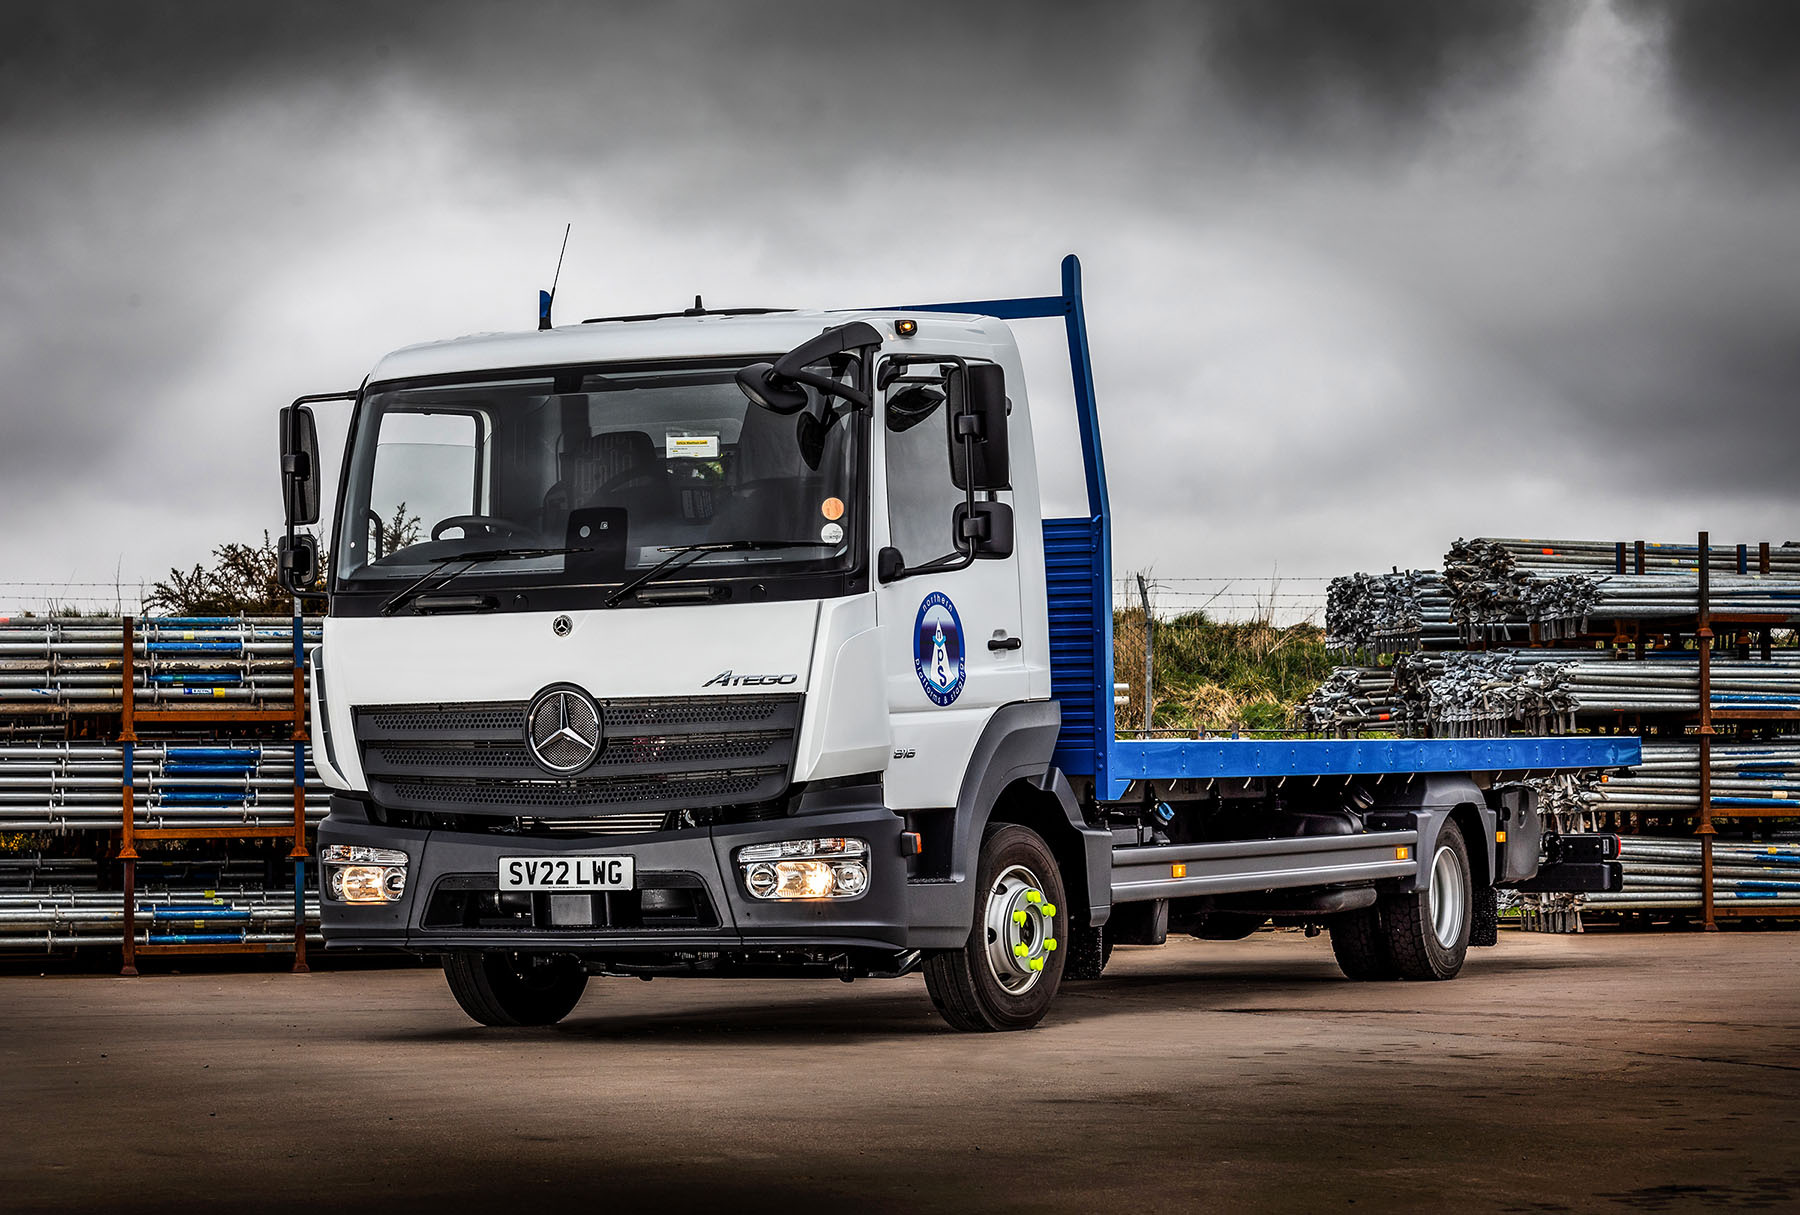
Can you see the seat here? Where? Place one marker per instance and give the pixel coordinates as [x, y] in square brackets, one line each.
[599, 471]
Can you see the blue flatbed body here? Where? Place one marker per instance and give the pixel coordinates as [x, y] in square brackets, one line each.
[1246, 758]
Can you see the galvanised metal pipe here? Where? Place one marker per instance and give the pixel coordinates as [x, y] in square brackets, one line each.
[77, 662]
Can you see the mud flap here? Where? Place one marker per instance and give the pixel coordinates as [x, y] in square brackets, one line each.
[1485, 928]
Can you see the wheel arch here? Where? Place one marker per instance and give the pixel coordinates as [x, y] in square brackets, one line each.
[1010, 779]
[1425, 804]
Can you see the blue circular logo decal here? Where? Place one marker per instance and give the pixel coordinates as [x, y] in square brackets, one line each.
[938, 649]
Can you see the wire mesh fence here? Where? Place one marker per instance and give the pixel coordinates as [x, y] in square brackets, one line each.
[1184, 670]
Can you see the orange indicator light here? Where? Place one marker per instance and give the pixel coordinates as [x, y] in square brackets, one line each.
[1179, 871]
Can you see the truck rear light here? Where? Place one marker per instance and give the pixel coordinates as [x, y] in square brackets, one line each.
[831, 868]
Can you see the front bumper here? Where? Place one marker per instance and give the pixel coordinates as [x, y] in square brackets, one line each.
[450, 871]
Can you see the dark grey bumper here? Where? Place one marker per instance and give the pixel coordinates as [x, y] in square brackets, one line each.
[699, 858]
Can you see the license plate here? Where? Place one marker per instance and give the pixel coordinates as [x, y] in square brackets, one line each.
[567, 872]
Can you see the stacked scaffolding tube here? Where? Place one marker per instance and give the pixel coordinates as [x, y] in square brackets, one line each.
[62, 918]
[1666, 874]
[1389, 613]
[62, 663]
[1487, 693]
[1751, 777]
[1501, 590]
[77, 786]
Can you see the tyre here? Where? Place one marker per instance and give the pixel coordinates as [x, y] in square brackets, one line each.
[1006, 974]
[498, 988]
[1360, 945]
[1428, 932]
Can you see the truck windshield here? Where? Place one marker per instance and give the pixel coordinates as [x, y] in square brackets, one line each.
[672, 455]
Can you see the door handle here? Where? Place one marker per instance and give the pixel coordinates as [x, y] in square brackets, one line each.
[1005, 643]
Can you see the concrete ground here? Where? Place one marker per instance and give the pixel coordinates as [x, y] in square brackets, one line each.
[1604, 1072]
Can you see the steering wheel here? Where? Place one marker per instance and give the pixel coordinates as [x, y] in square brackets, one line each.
[492, 526]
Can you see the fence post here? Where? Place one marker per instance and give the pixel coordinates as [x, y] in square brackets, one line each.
[1149, 651]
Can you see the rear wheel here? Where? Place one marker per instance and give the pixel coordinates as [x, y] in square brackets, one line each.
[499, 988]
[1428, 932]
[1006, 974]
[1360, 945]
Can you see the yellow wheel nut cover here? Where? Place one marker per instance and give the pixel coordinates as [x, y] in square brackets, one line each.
[1049, 944]
[1020, 950]
[1018, 917]
[1037, 963]
[1048, 909]
[1033, 896]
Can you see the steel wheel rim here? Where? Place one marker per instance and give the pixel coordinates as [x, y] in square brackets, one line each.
[1020, 924]
[1448, 897]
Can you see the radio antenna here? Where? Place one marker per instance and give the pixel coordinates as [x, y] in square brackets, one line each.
[547, 298]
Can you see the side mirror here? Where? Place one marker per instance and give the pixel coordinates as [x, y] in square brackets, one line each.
[987, 529]
[781, 386]
[977, 421]
[764, 387]
[297, 558]
[300, 467]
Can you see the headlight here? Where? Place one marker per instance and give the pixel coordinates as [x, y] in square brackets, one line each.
[834, 868]
[355, 874]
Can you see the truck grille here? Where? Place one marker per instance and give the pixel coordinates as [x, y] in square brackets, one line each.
[661, 755]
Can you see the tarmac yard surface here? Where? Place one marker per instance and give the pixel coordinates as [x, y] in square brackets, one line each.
[1602, 1072]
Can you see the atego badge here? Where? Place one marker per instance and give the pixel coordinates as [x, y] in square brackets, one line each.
[938, 649]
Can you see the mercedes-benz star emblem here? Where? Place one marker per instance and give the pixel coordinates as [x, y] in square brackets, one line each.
[563, 730]
[562, 626]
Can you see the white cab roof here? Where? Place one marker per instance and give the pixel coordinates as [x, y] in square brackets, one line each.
[678, 337]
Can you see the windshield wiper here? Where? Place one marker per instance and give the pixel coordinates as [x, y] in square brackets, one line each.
[469, 560]
[697, 551]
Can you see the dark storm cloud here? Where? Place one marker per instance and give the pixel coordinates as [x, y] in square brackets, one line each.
[924, 67]
[1371, 70]
[1736, 63]
[1511, 233]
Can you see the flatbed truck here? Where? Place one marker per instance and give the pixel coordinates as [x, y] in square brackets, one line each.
[738, 644]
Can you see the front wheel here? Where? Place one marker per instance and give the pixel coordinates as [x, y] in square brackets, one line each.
[499, 988]
[1006, 974]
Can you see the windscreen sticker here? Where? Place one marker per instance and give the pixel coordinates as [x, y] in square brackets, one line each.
[832, 508]
[938, 649]
[691, 446]
[831, 533]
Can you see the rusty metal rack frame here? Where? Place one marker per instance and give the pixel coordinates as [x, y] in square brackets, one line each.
[1703, 626]
[131, 717]
[1705, 619]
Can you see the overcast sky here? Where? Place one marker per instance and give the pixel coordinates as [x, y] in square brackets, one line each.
[1362, 277]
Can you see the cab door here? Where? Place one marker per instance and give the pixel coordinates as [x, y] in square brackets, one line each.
[952, 636]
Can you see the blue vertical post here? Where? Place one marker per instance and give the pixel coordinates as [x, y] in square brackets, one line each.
[299, 850]
[1093, 462]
